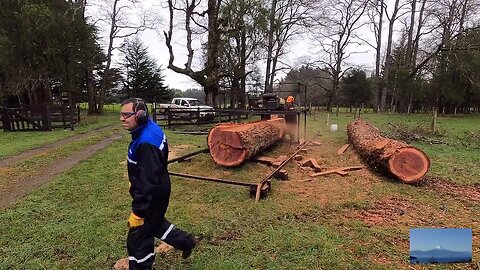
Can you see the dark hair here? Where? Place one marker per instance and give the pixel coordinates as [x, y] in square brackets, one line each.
[138, 104]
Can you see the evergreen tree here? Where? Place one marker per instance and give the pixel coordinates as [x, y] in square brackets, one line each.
[143, 76]
[42, 49]
[356, 88]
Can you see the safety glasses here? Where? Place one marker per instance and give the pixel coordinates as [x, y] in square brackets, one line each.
[126, 115]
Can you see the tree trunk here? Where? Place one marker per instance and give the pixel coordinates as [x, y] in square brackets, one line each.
[271, 30]
[378, 81]
[393, 158]
[243, 60]
[211, 93]
[231, 144]
[384, 92]
[417, 36]
[106, 72]
[408, 57]
[92, 104]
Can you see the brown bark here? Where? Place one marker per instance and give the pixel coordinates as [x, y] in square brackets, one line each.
[388, 56]
[378, 48]
[209, 76]
[394, 158]
[231, 144]
[271, 31]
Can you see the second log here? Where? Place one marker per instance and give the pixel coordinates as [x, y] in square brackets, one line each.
[394, 158]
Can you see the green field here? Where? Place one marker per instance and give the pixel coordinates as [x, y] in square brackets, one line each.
[17, 142]
[361, 221]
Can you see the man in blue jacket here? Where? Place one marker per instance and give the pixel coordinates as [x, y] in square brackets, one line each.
[149, 188]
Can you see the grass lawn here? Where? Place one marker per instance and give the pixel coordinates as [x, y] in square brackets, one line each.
[17, 142]
[362, 221]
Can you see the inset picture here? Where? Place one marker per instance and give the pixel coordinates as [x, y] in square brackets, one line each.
[440, 245]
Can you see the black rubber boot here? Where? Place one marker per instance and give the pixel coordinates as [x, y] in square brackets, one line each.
[191, 243]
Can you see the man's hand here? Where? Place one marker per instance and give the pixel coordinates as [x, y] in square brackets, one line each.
[134, 221]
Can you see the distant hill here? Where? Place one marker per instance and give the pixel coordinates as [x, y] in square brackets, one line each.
[439, 256]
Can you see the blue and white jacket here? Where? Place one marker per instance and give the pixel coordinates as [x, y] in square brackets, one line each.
[147, 169]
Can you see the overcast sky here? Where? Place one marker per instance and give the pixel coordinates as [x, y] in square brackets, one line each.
[157, 48]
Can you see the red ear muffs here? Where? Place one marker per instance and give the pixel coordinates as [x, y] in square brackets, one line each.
[141, 116]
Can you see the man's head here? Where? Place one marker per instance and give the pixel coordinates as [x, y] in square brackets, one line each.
[131, 111]
[290, 99]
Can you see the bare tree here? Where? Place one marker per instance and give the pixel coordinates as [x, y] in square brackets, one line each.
[205, 22]
[337, 30]
[118, 16]
[396, 13]
[448, 20]
[287, 20]
[375, 13]
[241, 46]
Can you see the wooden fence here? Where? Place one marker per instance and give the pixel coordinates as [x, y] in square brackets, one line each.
[39, 118]
[169, 117]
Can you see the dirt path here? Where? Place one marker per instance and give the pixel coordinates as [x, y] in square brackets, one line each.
[9, 161]
[18, 189]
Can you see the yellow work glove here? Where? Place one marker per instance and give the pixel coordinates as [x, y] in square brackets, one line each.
[134, 221]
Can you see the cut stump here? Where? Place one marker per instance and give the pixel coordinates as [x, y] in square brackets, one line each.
[391, 157]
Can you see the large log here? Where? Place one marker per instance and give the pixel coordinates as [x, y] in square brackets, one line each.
[391, 157]
[231, 144]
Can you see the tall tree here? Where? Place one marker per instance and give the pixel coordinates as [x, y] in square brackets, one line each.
[205, 22]
[143, 75]
[240, 48]
[117, 16]
[392, 18]
[317, 81]
[356, 88]
[37, 60]
[375, 13]
[337, 31]
[287, 19]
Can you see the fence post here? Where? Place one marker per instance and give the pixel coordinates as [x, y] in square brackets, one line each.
[78, 113]
[434, 120]
[154, 109]
[6, 120]
[72, 118]
[169, 118]
[49, 119]
[62, 111]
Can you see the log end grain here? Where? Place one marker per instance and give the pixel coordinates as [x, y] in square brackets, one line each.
[409, 164]
[227, 147]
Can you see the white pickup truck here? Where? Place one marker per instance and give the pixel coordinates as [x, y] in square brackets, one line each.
[182, 107]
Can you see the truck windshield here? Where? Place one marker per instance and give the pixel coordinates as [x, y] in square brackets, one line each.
[194, 102]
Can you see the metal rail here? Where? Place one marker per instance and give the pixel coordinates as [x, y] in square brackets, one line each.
[205, 150]
[218, 180]
[261, 183]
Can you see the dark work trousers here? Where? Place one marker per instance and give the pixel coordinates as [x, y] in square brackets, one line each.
[140, 241]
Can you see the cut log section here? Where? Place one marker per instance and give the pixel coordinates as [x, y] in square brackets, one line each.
[394, 158]
[298, 157]
[311, 162]
[279, 161]
[343, 149]
[231, 144]
[265, 160]
[341, 171]
[281, 175]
